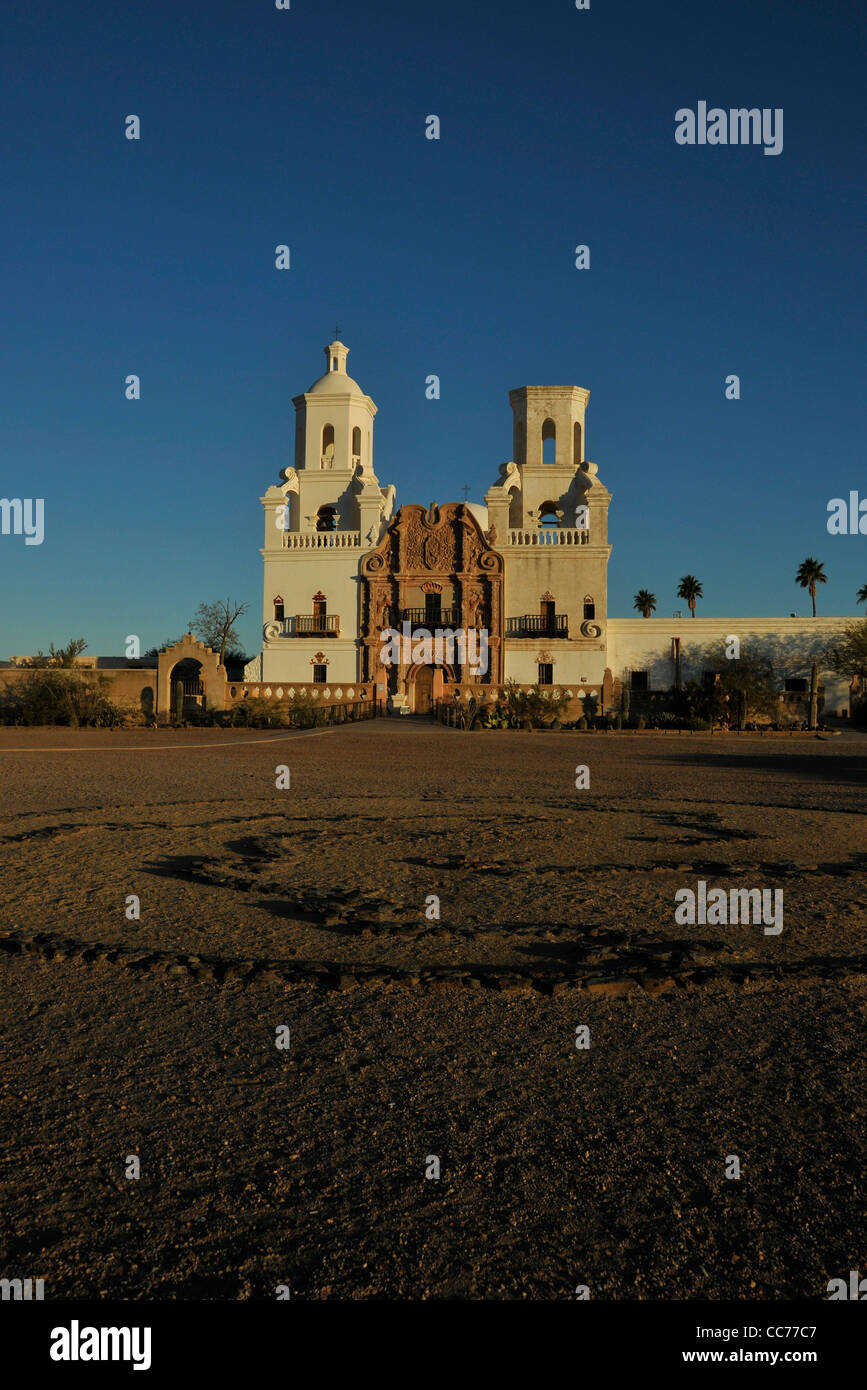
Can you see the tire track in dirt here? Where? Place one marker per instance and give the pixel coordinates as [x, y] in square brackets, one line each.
[655, 968]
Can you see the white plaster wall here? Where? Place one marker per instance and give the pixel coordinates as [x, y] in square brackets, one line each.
[571, 666]
[292, 660]
[644, 644]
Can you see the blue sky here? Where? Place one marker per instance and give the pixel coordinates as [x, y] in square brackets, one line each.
[453, 257]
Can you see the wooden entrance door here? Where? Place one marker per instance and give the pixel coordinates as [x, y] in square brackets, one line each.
[423, 686]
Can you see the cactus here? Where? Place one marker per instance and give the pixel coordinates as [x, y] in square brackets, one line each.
[741, 709]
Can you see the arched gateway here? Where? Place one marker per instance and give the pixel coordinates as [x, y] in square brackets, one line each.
[434, 573]
[191, 672]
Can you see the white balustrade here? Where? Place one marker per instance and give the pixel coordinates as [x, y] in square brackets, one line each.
[568, 535]
[321, 540]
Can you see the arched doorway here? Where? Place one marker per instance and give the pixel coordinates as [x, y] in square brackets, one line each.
[187, 687]
[425, 684]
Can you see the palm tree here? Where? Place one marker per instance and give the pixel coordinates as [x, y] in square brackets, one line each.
[690, 589]
[861, 595]
[645, 602]
[809, 575]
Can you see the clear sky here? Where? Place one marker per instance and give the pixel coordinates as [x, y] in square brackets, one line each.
[454, 257]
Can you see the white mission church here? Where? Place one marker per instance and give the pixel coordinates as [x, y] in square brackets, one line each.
[342, 563]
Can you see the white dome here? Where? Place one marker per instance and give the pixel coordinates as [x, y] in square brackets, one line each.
[334, 384]
[480, 513]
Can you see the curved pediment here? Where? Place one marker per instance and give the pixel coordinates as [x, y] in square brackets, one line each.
[438, 540]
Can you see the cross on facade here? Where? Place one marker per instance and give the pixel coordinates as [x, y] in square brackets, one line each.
[466, 491]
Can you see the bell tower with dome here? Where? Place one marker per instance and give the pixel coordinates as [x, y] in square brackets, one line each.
[325, 513]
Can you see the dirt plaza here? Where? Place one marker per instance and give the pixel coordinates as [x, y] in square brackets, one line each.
[435, 916]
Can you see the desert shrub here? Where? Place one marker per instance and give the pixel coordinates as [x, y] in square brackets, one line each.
[581, 723]
[52, 695]
[666, 719]
[532, 704]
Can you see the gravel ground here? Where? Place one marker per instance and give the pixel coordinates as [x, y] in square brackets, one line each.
[416, 1035]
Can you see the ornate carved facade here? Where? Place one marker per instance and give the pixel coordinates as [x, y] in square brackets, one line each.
[433, 569]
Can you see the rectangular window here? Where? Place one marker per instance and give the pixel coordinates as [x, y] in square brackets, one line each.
[320, 674]
[278, 613]
[638, 680]
[546, 673]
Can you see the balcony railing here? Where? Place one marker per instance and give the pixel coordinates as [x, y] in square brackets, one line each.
[539, 625]
[321, 540]
[548, 535]
[316, 625]
[420, 617]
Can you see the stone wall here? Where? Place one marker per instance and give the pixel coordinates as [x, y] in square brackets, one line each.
[133, 688]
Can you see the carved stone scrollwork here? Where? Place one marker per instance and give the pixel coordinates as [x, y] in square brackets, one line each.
[439, 549]
[590, 629]
[471, 548]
